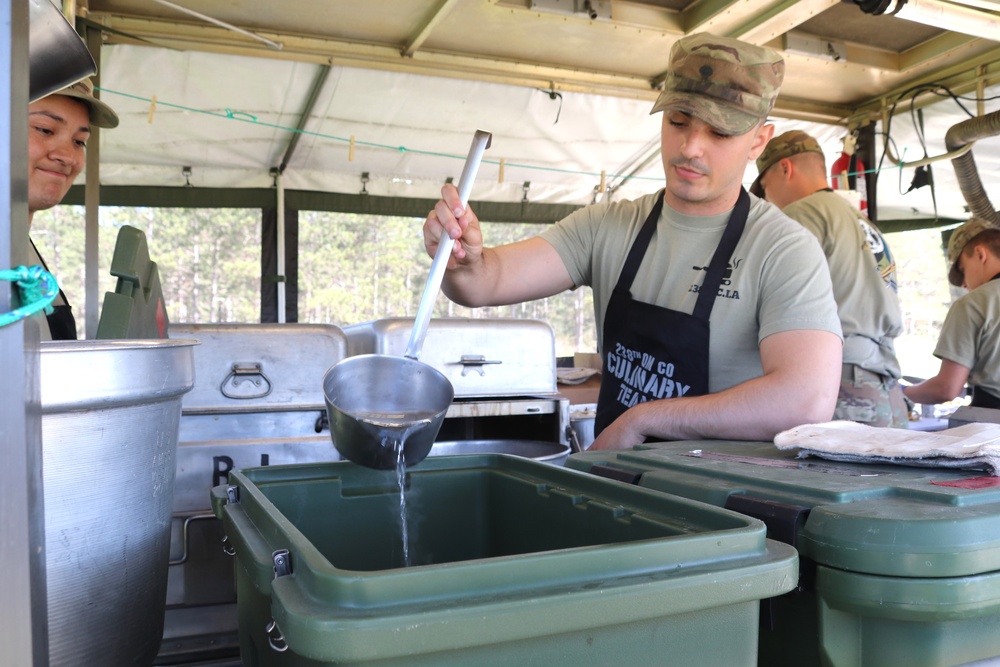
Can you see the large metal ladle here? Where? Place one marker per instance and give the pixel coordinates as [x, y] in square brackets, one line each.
[379, 403]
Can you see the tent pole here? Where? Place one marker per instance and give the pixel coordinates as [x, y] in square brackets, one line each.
[280, 187]
[23, 627]
[92, 202]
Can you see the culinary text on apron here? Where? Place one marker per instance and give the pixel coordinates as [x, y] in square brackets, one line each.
[651, 352]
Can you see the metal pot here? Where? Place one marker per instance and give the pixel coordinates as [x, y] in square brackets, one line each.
[110, 416]
[581, 422]
[56, 54]
[539, 450]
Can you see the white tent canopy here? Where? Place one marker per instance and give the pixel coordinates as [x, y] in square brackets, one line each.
[230, 118]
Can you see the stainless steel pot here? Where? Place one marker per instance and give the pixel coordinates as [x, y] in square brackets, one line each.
[56, 54]
[581, 421]
[110, 416]
[539, 450]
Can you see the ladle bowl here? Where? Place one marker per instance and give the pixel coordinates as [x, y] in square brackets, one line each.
[386, 410]
[367, 392]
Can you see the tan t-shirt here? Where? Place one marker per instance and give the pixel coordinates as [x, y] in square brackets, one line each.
[776, 281]
[970, 336]
[864, 279]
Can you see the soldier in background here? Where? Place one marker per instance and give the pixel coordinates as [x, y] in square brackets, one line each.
[969, 344]
[792, 175]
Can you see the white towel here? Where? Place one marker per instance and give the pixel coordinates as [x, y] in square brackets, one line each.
[974, 446]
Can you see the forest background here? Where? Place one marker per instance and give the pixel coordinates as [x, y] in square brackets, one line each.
[355, 269]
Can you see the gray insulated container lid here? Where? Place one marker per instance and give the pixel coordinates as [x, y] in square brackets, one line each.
[242, 368]
[874, 519]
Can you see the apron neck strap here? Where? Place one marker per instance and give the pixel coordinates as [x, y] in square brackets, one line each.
[723, 253]
[631, 266]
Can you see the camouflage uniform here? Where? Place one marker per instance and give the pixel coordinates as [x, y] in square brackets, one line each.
[870, 398]
[729, 84]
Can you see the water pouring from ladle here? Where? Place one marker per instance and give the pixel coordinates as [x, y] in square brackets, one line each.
[380, 403]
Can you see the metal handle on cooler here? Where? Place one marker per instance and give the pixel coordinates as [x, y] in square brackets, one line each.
[184, 535]
[475, 362]
[480, 142]
[248, 374]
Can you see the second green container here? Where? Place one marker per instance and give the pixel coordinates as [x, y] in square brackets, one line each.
[900, 565]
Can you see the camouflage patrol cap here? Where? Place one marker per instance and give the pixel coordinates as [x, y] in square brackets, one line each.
[101, 115]
[788, 144]
[960, 238]
[729, 84]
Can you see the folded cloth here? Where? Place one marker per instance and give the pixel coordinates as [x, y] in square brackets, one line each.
[975, 446]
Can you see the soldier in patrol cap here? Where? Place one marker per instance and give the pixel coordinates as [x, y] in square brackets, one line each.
[969, 344]
[715, 313]
[792, 175]
[59, 128]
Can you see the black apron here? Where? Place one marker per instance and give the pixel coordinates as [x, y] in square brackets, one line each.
[651, 352]
[984, 399]
[62, 324]
[980, 397]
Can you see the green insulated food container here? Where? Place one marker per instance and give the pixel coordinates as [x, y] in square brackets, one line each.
[899, 565]
[513, 562]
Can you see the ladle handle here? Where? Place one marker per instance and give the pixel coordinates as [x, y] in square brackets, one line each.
[480, 142]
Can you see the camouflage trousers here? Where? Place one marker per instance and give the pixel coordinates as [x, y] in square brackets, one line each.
[870, 398]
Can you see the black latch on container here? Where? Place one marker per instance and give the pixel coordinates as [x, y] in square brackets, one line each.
[783, 521]
[617, 474]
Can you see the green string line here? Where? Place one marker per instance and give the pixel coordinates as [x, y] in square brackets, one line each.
[244, 117]
[36, 288]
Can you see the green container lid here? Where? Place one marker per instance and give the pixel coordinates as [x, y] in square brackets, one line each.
[504, 550]
[874, 519]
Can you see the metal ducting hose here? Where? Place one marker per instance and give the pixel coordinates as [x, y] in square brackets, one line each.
[959, 136]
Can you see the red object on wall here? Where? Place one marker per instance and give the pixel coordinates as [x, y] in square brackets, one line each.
[847, 176]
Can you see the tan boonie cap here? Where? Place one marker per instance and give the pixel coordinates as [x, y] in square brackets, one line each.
[729, 84]
[960, 238]
[788, 144]
[101, 114]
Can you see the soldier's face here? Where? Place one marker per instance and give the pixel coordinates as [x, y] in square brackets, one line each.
[704, 166]
[58, 130]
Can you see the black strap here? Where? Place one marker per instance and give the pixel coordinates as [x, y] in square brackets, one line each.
[638, 250]
[723, 253]
[46, 267]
